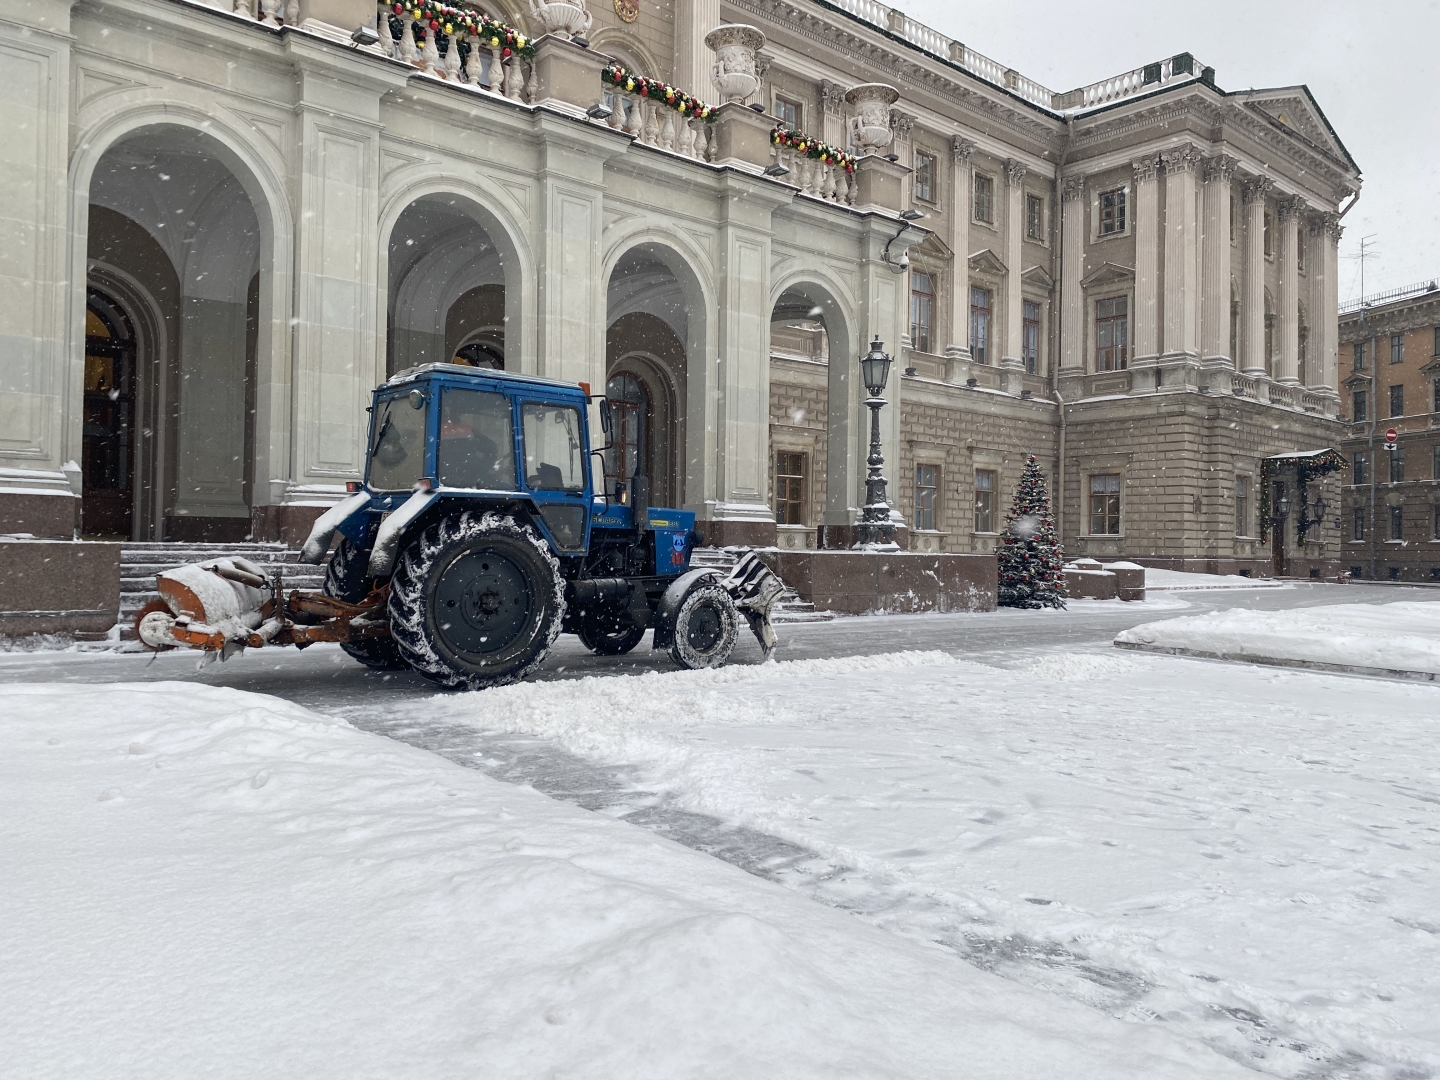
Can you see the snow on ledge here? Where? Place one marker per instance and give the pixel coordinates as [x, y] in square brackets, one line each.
[1395, 639]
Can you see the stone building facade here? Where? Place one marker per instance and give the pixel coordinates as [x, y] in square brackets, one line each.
[227, 222]
[1390, 517]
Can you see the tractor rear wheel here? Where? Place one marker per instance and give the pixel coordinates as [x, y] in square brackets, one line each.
[609, 637]
[346, 579]
[476, 601]
[706, 625]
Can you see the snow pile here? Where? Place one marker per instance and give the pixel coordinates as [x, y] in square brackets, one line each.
[1245, 857]
[1175, 580]
[1388, 637]
[201, 881]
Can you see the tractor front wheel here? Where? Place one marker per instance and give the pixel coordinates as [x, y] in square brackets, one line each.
[706, 625]
[476, 601]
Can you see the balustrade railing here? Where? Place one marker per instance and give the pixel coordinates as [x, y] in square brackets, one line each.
[457, 46]
[653, 124]
[816, 168]
[1141, 80]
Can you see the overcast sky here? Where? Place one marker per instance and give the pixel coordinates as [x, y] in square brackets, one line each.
[1371, 65]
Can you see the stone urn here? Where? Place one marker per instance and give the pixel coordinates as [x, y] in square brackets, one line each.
[870, 126]
[568, 17]
[734, 73]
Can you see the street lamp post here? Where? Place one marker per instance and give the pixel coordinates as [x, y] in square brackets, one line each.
[874, 526]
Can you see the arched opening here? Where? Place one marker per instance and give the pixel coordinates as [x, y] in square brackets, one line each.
[650, 335]
[175, 256]
[813, 411]
[447, 290]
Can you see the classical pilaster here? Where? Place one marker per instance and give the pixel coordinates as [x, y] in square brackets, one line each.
[42, 343]
[1325, 311]
[832, 109]
[1010, 358]
[1181, 263]
[339, 350]
[1215, 262]
[1072, 269]
[1147, 260]
[901, 124]
[960, 194]
[1252, 309]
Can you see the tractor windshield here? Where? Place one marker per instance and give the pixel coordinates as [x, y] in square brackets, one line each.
[554, 458]
[397, 448]
[477, 440]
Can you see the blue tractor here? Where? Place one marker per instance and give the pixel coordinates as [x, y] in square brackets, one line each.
[479, 534]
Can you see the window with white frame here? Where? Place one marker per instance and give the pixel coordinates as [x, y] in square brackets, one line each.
[984, 198]
[1030, 335]
[1111, 208]
[980, 324]
[1034, 217]
[925, 163]
[790, 112]
[1242, 506]
[1112, 333]
[922, 310]
[927, 484]
[1105, 504]
[985, 500]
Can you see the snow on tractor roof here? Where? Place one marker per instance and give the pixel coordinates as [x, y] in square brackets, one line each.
[409, 375]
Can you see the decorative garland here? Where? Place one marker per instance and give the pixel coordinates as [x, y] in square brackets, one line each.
[443, 19]
[812, 148]
[658, 91]
[1306, 469]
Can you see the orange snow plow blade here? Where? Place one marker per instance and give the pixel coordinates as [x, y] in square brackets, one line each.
[227, 605]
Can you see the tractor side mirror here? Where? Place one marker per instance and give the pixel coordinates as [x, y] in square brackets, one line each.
[416, 399]
[607, 422]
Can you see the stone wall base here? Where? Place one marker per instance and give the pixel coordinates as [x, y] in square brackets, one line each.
[866, 582]
[42, 515]
[737, 533]
[284, 524]
[59, 587]
[1325, 568]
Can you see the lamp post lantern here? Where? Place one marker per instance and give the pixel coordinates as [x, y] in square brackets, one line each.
[874, 526]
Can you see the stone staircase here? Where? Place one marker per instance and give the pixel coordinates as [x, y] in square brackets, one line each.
[788, 609]
[140, 562]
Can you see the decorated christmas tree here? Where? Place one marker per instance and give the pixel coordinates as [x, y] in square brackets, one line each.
[1030, 558]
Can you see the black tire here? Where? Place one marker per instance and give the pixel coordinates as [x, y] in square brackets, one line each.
[606, 637]
[706, 627]
[346, 579]
[476, 601]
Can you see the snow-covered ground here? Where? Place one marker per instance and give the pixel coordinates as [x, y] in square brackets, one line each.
[1395, 637]
[202, 881]
[1246, 856]
[1177, 581]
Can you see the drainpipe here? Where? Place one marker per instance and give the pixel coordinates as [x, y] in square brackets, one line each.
[1374, 465]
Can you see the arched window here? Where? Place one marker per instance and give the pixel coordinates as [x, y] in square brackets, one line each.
[630, 441]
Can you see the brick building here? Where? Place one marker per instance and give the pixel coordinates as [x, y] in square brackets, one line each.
[1390, 347]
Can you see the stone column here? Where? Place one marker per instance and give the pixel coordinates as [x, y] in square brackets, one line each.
[1011, 362]
[1215, 262]
[901, 123]
[1252, 308]
[1147, 261]
[1072, 269]
[957, 352]
[1287, 367]
[42, 319]
[1181, 236]
[693, 58]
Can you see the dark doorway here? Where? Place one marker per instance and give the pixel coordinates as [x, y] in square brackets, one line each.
[108, 439]
[1281, 564]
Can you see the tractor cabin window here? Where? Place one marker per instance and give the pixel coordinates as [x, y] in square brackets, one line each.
[1105, 504]
[554, 454]
[397, 447]
[789, 489]
[477, 440]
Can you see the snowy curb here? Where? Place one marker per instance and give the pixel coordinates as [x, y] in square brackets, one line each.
[1280, 661]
